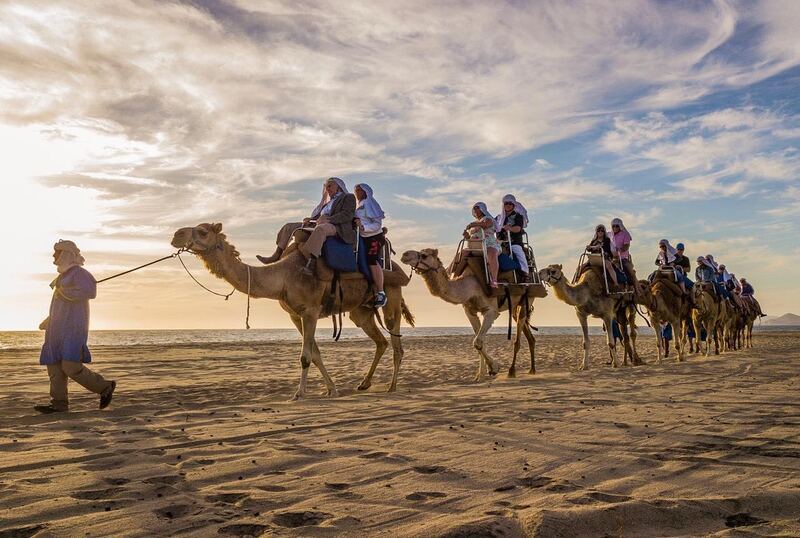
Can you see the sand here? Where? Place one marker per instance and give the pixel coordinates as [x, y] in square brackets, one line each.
[202, 441]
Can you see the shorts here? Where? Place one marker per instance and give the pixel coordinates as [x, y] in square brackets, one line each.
[373, 247]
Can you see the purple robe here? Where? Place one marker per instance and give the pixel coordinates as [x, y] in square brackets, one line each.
[68, 330]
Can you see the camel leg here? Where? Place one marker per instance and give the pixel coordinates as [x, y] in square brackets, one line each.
[659, 340]
[364, 319]
[682, 337]
[512, 370]
[612, 345]
[393, 318]
[622, 321]
[698, 327]
[479, 342]
[301, 390]
[476, 327]
[308, 356]
[582, 318]
[526, 330]
[636, 360]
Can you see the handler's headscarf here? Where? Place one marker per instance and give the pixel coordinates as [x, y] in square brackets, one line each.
[70, 255]
[499, 221]
[669, 255]
[325, 198]
[371, 206]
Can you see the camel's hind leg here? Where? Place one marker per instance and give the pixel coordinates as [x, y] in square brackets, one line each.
[392, 315]
[612, 345]
[521, 318]
[582, 318]
[365, 319]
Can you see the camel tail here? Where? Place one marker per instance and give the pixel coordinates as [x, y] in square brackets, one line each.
[407, 315]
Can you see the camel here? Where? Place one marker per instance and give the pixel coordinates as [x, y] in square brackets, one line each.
[706, 316]
[302, 298]
[750, 317]
[589, 299]
[665, 304]
[467, 291]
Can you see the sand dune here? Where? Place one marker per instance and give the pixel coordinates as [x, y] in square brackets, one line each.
[201, 441]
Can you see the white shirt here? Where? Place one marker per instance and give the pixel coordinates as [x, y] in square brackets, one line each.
[326, 209]
[369, 225]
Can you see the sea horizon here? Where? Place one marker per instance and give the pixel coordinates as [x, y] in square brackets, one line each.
[27, 340]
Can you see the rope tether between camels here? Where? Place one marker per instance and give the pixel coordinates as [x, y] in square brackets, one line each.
[177, 254]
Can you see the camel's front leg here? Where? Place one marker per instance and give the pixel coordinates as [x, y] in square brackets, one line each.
[476, 328]
[307, 357]
[682, 337]
[479, 342]
[392, 318]
[582, 318]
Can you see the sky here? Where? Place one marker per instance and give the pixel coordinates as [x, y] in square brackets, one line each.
[123, 121]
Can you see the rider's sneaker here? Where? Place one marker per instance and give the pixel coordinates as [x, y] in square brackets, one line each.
[380, 299]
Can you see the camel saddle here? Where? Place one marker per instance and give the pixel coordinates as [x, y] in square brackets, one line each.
[598, 271]
[668, 281]
[394, 277]
[478, 268]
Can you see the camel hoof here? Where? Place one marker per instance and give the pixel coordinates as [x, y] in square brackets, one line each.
[532, 371]
[364, 385]
[297, 396]
[392, 388]
[331, 393]
[512, 373]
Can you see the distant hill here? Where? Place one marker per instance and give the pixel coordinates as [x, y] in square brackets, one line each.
[786, 319]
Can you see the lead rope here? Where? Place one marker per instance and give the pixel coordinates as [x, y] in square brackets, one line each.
[199, 284]
[247, 318]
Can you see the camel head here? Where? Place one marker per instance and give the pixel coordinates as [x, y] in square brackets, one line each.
[551, 274]
[424, 260]
[201, 238]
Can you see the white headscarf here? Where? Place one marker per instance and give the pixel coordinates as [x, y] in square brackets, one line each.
[617, 221]
[726, 276]
[670, 252]
[711, 262]
[499, 221]
[70, 255]
[371, 206]
[325, 198]
[483, 208]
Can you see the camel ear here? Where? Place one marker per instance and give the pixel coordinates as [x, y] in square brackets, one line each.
[216, 227]
[435, 252]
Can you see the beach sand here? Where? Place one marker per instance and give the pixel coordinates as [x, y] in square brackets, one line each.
[202, 441]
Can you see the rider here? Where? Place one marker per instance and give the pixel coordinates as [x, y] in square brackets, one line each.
[683, 262]
[667, 256]
[511, 222]
[284, 236]
[601, 244]
[621, 245]
[747, 293]
[369, 219]
[484, 221]
[335, 219]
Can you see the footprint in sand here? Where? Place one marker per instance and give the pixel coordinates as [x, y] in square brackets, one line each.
[742, 520]
[271, 488]
[97, 494]
[21, 532]
[338, 486]
[534, 481]
[116, 481]
[172, 511]
[300, 519]
[244, 529]
[36, 480]
[227, 498]
[598, 496]
[166, 480]
[425, 495]
[429, 469]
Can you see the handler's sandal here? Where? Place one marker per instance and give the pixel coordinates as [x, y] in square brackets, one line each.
[380, 299]
[48, 409]
[105, 398]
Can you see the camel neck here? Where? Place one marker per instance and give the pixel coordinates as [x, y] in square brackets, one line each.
[225, 264]
[567, 292]
[441, 286]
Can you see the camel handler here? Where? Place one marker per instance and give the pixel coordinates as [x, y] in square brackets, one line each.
[285, 233]
[67, 329]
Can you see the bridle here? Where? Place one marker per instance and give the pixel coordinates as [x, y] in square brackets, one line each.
[416, 267]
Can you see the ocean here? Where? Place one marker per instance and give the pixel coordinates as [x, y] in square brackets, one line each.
[27, 340]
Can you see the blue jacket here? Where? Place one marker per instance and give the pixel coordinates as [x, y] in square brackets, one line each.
[68, 330]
